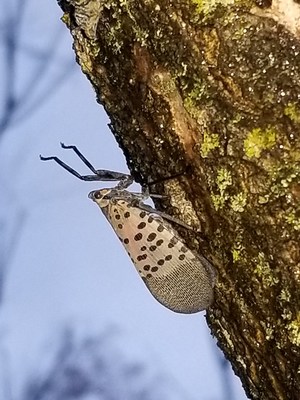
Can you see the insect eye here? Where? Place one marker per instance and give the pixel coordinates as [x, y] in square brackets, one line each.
[97, 195]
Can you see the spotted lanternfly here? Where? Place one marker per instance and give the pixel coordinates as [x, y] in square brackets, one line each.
[177, 277]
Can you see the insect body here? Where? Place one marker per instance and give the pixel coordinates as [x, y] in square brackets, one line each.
[177, 277]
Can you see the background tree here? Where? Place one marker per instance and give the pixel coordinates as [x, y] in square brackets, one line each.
[96, 368]
[211, 90]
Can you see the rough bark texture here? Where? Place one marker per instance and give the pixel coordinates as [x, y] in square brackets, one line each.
[211, 90]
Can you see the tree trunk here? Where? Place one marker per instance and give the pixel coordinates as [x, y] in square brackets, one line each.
[210, 91]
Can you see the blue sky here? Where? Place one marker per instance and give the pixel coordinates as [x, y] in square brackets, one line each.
[67, 266]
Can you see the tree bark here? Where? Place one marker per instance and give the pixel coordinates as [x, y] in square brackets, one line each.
[210, 91]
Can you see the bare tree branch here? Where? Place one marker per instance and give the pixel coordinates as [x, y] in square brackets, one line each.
[17, 106]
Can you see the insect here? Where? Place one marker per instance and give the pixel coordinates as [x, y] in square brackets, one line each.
[178, 278]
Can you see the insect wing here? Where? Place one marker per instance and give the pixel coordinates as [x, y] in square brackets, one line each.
[179, 279]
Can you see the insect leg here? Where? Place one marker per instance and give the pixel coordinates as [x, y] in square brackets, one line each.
[168, 217]
[81, 156]
[138, 199]
[99, 175]
[146, 194]
[71, 170]
[105, 175]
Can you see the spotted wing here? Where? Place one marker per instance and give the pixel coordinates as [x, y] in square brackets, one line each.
[178, 278]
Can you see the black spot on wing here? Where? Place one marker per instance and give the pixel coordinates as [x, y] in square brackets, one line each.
[138, 237]
[151, 236]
